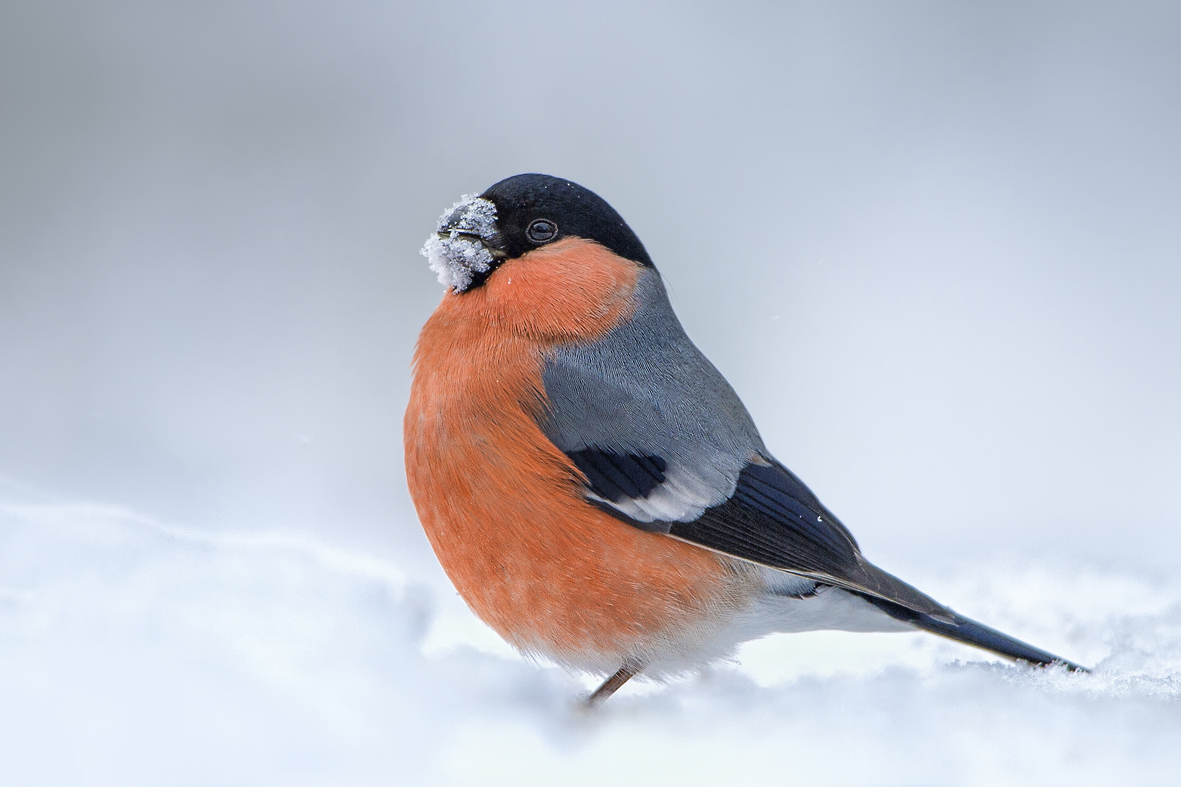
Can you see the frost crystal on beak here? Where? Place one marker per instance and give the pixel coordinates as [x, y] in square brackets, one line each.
[457, 250]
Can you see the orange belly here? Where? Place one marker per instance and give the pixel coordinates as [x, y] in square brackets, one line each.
[504, 509]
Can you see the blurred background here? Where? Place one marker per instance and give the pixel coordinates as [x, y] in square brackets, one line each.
[936, 247]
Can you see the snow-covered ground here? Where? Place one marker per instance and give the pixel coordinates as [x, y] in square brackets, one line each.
[134, 652]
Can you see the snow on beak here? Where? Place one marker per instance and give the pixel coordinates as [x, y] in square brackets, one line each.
[466, 242]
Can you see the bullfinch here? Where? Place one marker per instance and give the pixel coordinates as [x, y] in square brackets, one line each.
[591, 484]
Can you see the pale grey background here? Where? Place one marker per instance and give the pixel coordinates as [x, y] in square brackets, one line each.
[936, 247]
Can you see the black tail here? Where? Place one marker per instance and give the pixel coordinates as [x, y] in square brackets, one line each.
[970, 632]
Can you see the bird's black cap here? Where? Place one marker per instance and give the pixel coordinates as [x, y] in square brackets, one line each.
[533, 210]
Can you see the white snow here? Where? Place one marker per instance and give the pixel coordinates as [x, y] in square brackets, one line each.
[452, 251]
[135, 653]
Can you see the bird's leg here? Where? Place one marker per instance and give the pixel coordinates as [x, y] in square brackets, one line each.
[625, 673]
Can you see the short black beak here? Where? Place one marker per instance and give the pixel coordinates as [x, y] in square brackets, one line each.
[494, 244]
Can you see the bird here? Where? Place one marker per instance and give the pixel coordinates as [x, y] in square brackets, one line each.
[591, 484]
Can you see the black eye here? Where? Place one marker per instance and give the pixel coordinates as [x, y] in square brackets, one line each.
[542, 231]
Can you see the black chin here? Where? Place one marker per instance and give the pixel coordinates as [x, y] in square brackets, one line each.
[479, 277]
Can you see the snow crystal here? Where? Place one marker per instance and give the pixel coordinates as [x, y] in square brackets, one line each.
[457, 251]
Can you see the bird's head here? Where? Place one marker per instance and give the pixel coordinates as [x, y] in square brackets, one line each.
[517, 216]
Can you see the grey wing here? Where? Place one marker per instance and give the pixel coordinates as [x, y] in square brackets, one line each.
[666, 445]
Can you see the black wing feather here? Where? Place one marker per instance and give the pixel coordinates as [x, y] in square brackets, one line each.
[774, 519]
[614, 476]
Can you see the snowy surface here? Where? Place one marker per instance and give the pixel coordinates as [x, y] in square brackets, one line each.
[134, 652]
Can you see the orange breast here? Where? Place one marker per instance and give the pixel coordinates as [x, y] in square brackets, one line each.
[503, 507]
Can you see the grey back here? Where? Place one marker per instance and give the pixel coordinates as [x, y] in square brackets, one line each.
[645, 389]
